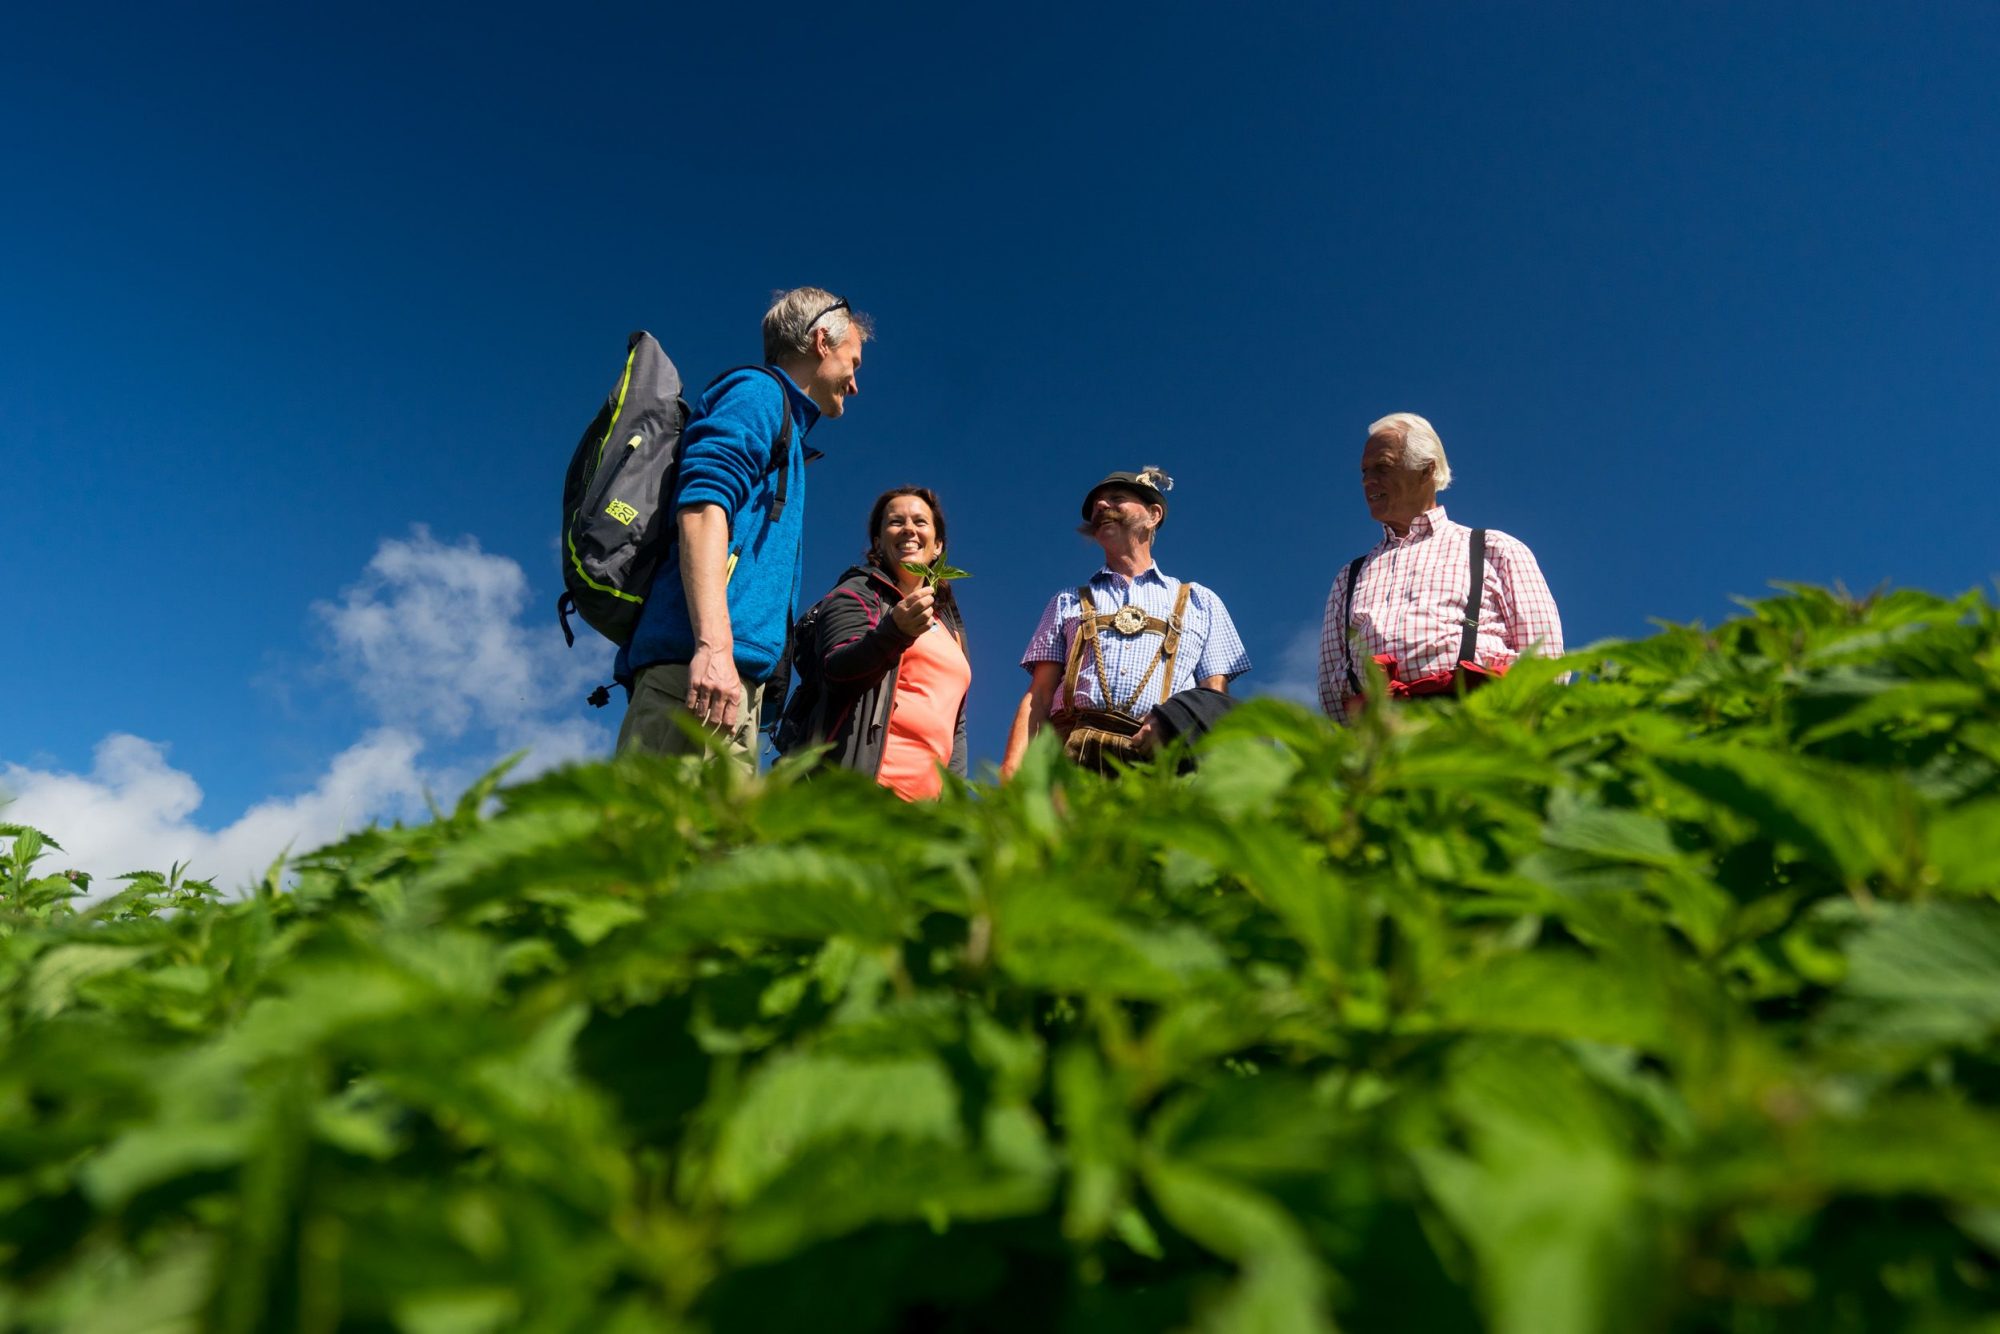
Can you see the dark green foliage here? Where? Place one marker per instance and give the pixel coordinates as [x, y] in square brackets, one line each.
[1664, 1000]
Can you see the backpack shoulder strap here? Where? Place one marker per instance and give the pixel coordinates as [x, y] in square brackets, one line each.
[1468, 643]
[1347, 620]
[781, 448]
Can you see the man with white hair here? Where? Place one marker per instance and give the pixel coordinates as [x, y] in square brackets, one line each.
[714, 626]
[1440, 606]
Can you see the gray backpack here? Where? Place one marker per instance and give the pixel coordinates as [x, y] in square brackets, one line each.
[618, 518]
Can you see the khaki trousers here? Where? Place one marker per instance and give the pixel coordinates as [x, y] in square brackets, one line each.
[659, 697]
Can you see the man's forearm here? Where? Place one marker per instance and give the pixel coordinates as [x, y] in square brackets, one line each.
[704, 538]
[1041, 696]
[1029, 718]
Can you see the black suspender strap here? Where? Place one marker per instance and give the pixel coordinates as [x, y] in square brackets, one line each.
[1475, 595]
[1347, 623]
[1468, 643]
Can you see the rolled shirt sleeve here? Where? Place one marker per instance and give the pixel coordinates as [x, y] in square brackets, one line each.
[1222, 652]
[1046, 644]
[1532, 618]
[1332, 656]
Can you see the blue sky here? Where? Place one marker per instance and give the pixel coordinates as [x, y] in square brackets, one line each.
[303, 311]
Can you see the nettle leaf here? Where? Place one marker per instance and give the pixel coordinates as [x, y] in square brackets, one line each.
[1900, 1147]
[163, 1292]
[1902, 705]
[485, 1310]
[1626, 998]
[22, 831]
[797, 1102]
[164, 1152]
[822, 1146]
[839, 1188]
[1828, 813]
[1240, 774]
[60, 972]
[503, 855]
[780, 893]
[1942, 952]
[1097, 1134]
[1267, 1125]
[590, 916]
[936, 574]
[1674, 990]
[1543, 1191]
[1614, 835]
[1964, 846]
[1921, 974]
[1282, 1285]
[1092, 953]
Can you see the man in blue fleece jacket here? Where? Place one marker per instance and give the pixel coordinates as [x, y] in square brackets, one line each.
[714, 625]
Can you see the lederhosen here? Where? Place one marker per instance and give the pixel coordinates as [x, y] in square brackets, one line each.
[1092, 737]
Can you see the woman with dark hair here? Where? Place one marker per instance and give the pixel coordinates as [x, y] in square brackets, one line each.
[890, 655]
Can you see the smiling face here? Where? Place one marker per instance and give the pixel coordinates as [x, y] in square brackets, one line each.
[834, 376]
[908, 532]
[1395, 494]
[1121, 518]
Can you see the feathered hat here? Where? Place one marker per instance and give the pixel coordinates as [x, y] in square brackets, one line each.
[1150, 482]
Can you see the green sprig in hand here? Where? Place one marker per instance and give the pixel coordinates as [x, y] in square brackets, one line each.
[938, 572]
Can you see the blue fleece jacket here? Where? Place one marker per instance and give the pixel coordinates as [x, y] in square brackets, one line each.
[725, 458]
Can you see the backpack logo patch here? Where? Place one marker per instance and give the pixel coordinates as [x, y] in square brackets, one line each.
[620, 511]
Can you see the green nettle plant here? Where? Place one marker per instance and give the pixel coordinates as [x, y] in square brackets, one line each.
[1664, 1000]
[936, 573]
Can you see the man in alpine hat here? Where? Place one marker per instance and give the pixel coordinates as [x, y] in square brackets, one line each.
[1441, 607]
[1108, 651]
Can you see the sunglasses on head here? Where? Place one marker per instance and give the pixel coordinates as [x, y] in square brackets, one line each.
[841, 304]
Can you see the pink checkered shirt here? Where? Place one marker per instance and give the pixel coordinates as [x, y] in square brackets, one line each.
[1410, 603]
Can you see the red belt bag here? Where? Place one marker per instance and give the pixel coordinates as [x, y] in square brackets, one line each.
[1444, 682]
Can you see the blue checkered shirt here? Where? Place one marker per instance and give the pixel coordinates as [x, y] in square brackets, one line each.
[1209, 647]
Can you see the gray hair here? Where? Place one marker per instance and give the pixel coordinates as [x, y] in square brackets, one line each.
[789, 323]
[1420, 444]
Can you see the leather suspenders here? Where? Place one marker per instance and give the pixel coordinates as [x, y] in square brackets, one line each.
[1127, 620]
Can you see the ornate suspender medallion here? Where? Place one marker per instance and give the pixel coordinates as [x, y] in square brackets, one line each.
[1129, 619]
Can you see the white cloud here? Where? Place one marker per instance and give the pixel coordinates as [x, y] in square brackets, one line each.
[431, 637]
[431, 641]
[1298, 669]
[133, 811]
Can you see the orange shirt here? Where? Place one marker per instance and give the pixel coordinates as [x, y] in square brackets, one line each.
[930, 686]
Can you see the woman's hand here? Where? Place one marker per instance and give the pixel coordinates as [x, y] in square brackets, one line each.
[916, 613]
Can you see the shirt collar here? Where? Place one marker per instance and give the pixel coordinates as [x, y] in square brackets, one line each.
[1432, 520]
[807, 410]
[1152, 574]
